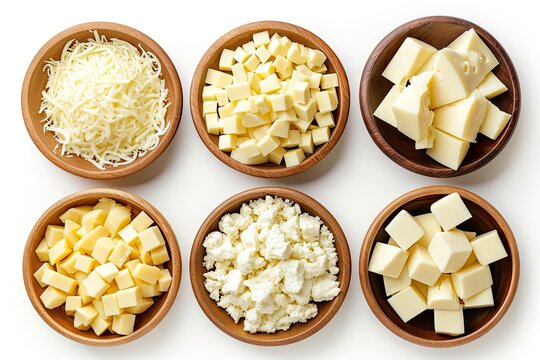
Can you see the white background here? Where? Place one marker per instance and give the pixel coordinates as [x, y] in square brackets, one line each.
[354, 182]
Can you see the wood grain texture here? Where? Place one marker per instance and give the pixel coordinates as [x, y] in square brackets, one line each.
[56, 318]
[240, 36]
[505, 272]
[438, 31]
[36, 78]
[297, 331]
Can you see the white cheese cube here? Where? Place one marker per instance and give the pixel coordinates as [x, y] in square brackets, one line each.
[320, 135]
[430, 225]
[491, 86]
[218, 78]
[264, 70]
[258, 133]
[329, 81]
[483, 299]
[239, 74]
[450, 211]
[325, 119]
[253, 120]
[270, 85]
[449, 250]
[306, 143]
[52, 297]
[232, 125]
[241, 157]
[123, 324]
[240, 55]
[268, 144]
[448, 150]
[326, 101]
[421, 287]
[249, 149]
[394, 285]
[387, 260]
[449, 322]
[238, 91]
[279, 128]
[276, 156]
[316, 57]
[212, 123]
[288, 115]
[442, 296]
[261, 38]
[227, 110]
[226, 60]
[221, 97]
[209, 93]
[281, 102]
[408, 303]
[300, 92]
[249, 47]
[306, 111]
[263, 54]
[294, 157]
[254, 81]
[488, 248]
[494, 122]
[384, 110]
[283, 67]
[471, 280]
[410, 56]
[470, 41]
[292, 140]
[404, 229]
[277, 48]
[164, 280]
[421, 266]
[297, 54]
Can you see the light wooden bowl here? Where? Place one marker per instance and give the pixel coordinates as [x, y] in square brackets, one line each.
[56, 318]
[239, 36]
[438, 31]
[36, 78]
[219, 316]
[505, 272]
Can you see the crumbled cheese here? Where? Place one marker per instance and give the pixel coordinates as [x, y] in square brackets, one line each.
[269, 263]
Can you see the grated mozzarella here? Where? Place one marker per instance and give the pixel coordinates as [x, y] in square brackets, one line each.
[105, 101]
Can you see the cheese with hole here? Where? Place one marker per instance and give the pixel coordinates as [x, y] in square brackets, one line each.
[449, 322]
[494, 122]
[450, 211]
[449, 250]
[442, 296]
[470, 41]
[404, 229]
[387, 260]
[471, 280]
[410, 56]
[448, 150]
[408, 303]
[384, 110]
[482, 299]
[430, 225]
[491, 86]
[421, 266]
[488, 248]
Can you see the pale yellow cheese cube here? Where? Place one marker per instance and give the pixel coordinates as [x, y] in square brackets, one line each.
[93, 219]
[87, 242]
[232, 125]
[421, 266]
[404, 229]
[298, 75]
[276, 156]
[263, 54]
[68, 264]
[292, 140]
[241, 139]
[84, 263]
[449, 250]
[387, 260]
[226, 60]
[258, 133]
[249, 148]
[128, 234]
[142, 307]
[218, 78]
[113, 288]
[39, 273]
[81, 232]
[238, 91]
[450, 211]
[151, 238]
[325, 119]
[268, 144]
[430, 225]
[249, 47]
[100, 325]
[144, 255]
[85, 315]
[442, 296]
[411, 55]
[320, 135]
[103, 248]
[449, 322]
[42, 251]
[210, 107]
[53, 234]
[251, 63]
[123, 324]
[283, 67]
[212, 125]
[301, 125]
[281, 102]
[52, 297]
[326, 101]
[95, 285]
[329, 81]
[104, 204]
[75, 214]
[384, 111]
[316, 58]
[306, 111]
[130, 265]
[394, 285]
[306, 143]
[494, 122]
[482, 299]
[110, 305]
[129, 297]
[250, 120]
[59, 251]
[491, 86]
[488, 248]
[227, 142]
[270, 85]
[79, 276]
[98, 305]
[221, 97]
[294, 157]
[300, 92]
[288, 115]
[147, 290]
[59, 281]
[59, 269]
[124, 280]
[427, 141]
[470, 41]
[261, 38]
[448, 150]
[262, 103]
[240, 55]
[298, 54]
[209, 93]
[421, 287]
[70, 232]
[164, 280]
[146, 273]
[82, 292]
[471, 280]
[227, 110]
[241, 157]
[72, 304]
[408, 303]
[121, 251]
[279, 128]
[392, 242]
[107, 271]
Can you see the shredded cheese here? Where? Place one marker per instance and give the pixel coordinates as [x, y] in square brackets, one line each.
[105, 101]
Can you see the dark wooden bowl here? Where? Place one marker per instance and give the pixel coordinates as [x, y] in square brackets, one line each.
[438, 31]
[239, 36]
[219, 316]
[36, 78]
[505, 272]
[57, 318]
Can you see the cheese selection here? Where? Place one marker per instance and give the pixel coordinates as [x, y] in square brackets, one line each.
[103, 266]
[270, 264]
[272, 100]
[105, 100]
[440, 98]
[429, 263]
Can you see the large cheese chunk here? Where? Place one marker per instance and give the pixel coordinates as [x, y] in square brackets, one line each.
[469, 41]
[408, 303]
[442, 296]
[450, 211]
[462, 118]
[387, 260]
[404, 230]
[411, 108]
[483, 299]
[471, 280]
[494, 122]
[491, 86]
[394, 285]
[488, 248]
[411, 55]
[384, 110]
[448, 150]
[449, 322]
[421, 266]
[449, 250]
[430, 225]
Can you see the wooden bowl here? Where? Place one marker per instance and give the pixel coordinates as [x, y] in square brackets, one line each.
[219, 316]
[438, 31]
[505, 272]
[56, 318]
[239, 36]
[36, 78]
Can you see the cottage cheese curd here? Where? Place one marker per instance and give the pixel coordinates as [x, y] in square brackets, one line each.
[269, 263]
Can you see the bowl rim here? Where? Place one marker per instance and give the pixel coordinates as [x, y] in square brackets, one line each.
[369, 241]
[127, 198]
[317, 323]
[322, 151]
[371, 122]
[175, 107]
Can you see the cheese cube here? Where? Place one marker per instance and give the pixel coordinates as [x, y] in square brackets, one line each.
[297, 54]
[209, 93]
[121, 251]
[288, 115]
[238, 91]
[408, 303]
[110, 305]
[411, 107]
[470, 260]
[226, 60]
[128, 234]
[59, 281]
[98, 305]
[130, 265]
[471, 280]
[421, 266]
[123, 279]
[450, 250]
[249, 148]
[281, 102]
[279, 128]
[53, 234]
[394, 285]
[316, 57]
[84, 263]
[320, 135]
[78, 325]
[268, 144]
[86, 315]
[81, 232]
[301, 125]
[39, 273]
[488, 248]
[462, 118]
[72, 304]
[107, 271]
[441, 296]
[325, 119]
[426, 142]
[404, 229]
[129, 297]
[59, 251]
[448, 150]
[305, 111]
[387, 260]
[258, 133]
[87, 242]
[449, 322]
[263, 54]
[482, 299]
[42, 251]
[470, 235]
[93, 219]
[283, 67]
[146, 273]
[261, 38]
[221, 96]
[292, 140]
[329, 81]
[75, 214]
[450, 211]
[276, 156]
[210, 107]
[160, 255]
[240, 55]
[294, 157]
[384, 110]
[277, 48]
[70, 232]
[270, 85]
[253, 120]
[79, 276]
[242, 158]
[218, 78]
[410, 56]
[105, 204]
[300, 92]
[494, 122]
[52, 297]
[123, 324]
[95, 285]
[491, 86]
[164, 280]
[251, 63]
[392, 242]
[430, 225]
[326, 101]
[232, 125]
[100, 325]
[227, 142]
[306, 143]
[142, 307]
[469, 41]
[146, 289]
[422, 288]
[104, 247]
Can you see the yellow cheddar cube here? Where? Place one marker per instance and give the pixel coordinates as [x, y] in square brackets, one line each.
[164, 280]
[146, 273]
[68, 264]
[100, 325]
[52, 297]
[86, 315]
[95, 285]
[105, 204]
[84, 263]
[72, 304]
[75, 214]
[142, 307]
[87, 242]
[93, 218]
[110, 305]
[59, 251]
[59, 281]
[119, 216]
[53, 234]
[107, 271]
[103, 249]
[160, 255]
[120, 254]
[129, 297]
[98, 305]
[124, 280]
[141, 222]
[70, 232]
[123, 324]
[81, 232]
[39, 273]
[42, 251]
[151, 238]
[227, 142]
